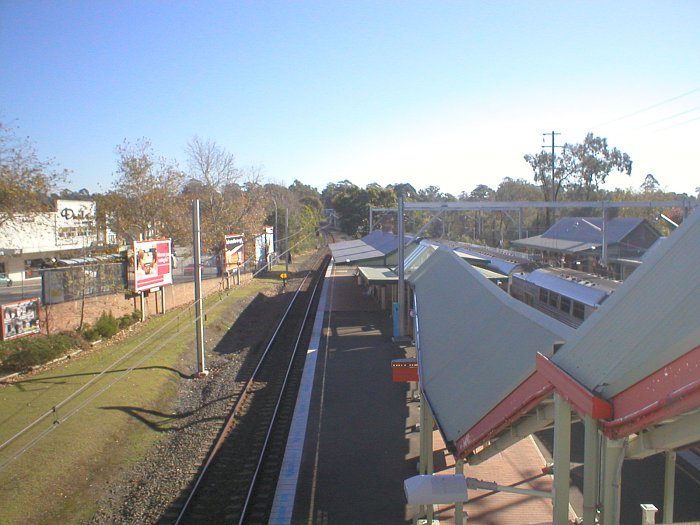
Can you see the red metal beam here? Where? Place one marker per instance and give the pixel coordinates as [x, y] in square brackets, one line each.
[519, 402]
[577, 395]
[668, 392]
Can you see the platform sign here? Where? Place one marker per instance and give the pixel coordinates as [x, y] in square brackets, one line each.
[150, 265]
[20, 318]
[233, 253]
[404, 370]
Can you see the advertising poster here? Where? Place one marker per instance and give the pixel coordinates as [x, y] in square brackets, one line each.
[151, 265]
[234, 255]
[20, 318]
[263, 245]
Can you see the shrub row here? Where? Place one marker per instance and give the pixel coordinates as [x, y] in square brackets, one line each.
[108, 325]
[19, 354]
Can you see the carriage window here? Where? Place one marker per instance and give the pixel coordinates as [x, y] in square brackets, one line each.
[565, 304]
[553, 299]
[544, 295]
[578, 310]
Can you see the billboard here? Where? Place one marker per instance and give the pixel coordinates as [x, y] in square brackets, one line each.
[151, 265]
[264, 244]
[20, 318]
[233, 252]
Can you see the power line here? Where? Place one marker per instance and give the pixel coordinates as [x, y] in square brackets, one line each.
[648, 108]
[673, 116]
[681, 123]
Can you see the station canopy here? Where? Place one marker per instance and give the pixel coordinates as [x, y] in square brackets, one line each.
[641, 350]
[476, 344]
[373, 249]
[633, 365]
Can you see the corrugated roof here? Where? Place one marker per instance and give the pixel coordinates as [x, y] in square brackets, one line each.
[561, 245]
[371, 246]
[475, 342]
[575, 234]
[418, 256]
[587, 290]
[580, 229]
[374, 274]
[651, 320]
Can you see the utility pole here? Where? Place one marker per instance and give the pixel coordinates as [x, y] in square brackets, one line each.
[199, 313]
[286, 242]
[552, 196]
[402, 282]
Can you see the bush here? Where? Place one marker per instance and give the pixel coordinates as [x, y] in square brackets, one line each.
[90, 334]
[20, 354]
[107, 325]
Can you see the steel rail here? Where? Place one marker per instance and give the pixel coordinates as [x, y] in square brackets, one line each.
[273, 420]
[234, 411]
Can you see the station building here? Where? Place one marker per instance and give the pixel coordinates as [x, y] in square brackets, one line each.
[28, 242]
[578, 243]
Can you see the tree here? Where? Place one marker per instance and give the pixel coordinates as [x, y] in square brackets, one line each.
[25, 179]
[307, 196]
[593, 161]
[551, 178]
[145, 200]
[482, 193]
[650, 184]
[231, 199]
[407, 190]
[352, 204]
[578, 171]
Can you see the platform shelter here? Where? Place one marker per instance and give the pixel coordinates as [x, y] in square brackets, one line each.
[378, 248]
[493, 372]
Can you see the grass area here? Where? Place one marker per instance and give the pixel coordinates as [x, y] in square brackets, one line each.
[110, 425]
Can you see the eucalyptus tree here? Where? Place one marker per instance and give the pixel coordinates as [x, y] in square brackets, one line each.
[578, 171]
[591, 162]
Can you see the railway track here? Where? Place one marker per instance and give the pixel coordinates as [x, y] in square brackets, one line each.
[236, 482]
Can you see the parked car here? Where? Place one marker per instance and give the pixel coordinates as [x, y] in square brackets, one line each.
[5, 279]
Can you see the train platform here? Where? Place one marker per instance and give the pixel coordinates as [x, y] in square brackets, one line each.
[355, 435]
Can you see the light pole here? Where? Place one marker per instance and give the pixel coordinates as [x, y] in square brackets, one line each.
[274, 231]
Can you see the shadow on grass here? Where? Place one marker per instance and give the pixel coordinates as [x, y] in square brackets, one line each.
[164, 422]
[61, 379]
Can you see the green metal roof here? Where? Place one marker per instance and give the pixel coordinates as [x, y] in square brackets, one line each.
[376, 275]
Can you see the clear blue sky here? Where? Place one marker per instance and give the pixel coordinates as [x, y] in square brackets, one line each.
[442, 93]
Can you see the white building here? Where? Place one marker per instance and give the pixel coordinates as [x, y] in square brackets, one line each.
[28, 241]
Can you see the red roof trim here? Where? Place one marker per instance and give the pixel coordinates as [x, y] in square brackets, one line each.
[668, 392]
[671, 390]
[577, 395]
[520, 401]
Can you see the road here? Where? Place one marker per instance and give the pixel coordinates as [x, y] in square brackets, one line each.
[30, 289]
[21, 290]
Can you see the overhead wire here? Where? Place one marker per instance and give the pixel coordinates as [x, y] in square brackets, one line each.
[84, 387]
[649, 108]
[100, 375]
[77, 409]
